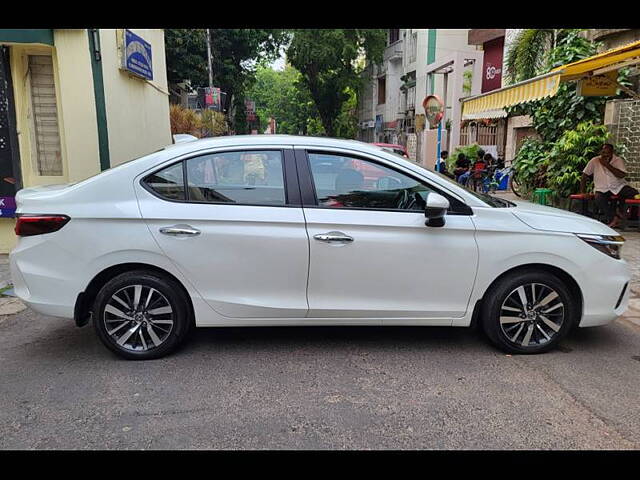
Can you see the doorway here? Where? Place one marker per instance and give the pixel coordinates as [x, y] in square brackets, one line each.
[10, 180]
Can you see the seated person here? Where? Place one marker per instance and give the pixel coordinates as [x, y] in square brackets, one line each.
[480, 166]
[462, 168]
[488, 159]
[608, 172]
[443, 162]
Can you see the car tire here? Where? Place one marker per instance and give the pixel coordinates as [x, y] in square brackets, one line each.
[535, 323]
[142, 315]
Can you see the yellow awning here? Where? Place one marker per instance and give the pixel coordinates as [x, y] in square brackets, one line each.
[613, 59]
[547, 85]
[533, 89]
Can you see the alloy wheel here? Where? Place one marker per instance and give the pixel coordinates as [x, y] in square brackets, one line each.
[138, 318]
[532, 315]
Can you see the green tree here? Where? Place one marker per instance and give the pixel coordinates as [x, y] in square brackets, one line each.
[328, 62]
[186, 51]
[347, 121]
[526, 55]
[282, 95]
[235, 53]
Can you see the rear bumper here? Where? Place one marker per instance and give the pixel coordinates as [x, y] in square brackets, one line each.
[54, 297]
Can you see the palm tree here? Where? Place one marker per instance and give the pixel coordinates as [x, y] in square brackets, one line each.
[526, 55]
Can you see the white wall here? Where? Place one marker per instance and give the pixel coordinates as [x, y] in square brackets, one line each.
[448, 43]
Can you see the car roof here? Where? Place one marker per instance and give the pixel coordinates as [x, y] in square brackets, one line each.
[232, 140]
[394, 145]
[183, 148]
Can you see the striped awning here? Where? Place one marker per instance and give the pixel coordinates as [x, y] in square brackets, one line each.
[500, 113]
[533, 89]
[547, 85]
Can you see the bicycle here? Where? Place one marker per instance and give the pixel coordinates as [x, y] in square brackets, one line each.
[514, 184]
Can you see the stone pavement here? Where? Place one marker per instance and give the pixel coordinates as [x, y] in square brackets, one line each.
[9, 305]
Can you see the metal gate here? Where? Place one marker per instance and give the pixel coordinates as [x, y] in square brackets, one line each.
[10, 180]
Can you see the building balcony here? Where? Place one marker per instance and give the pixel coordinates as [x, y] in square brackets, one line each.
[393, 52]
[600, 33]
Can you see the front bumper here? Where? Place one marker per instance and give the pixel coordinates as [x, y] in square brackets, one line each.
[603, 297]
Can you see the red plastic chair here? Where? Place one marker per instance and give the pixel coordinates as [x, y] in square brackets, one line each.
[628, 222]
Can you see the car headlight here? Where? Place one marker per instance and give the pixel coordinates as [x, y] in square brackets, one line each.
[609, 244]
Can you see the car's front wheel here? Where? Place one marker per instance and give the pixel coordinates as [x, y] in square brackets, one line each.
[528, 311]
[141, 315]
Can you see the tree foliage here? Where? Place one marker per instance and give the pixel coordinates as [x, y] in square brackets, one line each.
[525, 58]
[569, 125]
[186, 51]
[328, 62]
[282, 95]
[570, 154]
[235, 53]
[551, 116]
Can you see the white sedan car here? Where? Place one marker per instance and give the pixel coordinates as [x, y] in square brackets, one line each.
[285, 230]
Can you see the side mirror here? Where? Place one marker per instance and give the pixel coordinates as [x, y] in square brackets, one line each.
[435, 210]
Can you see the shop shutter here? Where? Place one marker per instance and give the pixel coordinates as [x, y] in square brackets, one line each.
[45, 116]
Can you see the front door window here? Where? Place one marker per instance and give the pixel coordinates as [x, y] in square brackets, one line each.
[348, 182]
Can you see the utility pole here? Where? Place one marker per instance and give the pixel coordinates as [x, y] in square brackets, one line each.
[209, 59]
[210, 74]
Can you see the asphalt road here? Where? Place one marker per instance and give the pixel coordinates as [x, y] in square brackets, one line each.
[317, 388]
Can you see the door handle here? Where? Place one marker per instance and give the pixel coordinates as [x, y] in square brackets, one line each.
[180, 230]
[333, 237]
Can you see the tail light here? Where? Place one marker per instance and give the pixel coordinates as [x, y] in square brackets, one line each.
[28, 225]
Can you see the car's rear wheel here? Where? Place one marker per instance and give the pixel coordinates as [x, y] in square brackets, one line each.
[528, 311]
[141, 315]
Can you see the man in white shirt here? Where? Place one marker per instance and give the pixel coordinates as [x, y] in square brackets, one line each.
[608, 171]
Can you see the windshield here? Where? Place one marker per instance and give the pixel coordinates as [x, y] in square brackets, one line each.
[490, 200]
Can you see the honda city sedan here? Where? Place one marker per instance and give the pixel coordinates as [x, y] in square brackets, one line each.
[267, 230]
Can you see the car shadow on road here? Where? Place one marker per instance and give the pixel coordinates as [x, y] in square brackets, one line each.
[65, 340]
[336, 338]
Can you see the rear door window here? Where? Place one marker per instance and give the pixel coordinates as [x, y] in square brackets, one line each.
[240, 177]
[253, 177]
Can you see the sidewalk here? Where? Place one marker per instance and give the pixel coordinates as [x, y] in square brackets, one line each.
[5, 275]
[9, 305]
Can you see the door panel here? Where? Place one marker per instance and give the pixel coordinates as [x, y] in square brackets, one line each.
[391, 265]
[394, 267]
[246, 261]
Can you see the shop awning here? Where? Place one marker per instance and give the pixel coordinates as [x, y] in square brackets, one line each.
[532, 89]
[499, 113]
[608, 61]
[547, 85]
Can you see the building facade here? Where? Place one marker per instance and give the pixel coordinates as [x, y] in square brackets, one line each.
[74, 102]
[490, 133]
[390, 99]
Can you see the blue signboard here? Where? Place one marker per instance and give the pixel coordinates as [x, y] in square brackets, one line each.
[379, 123]
[137, 57]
